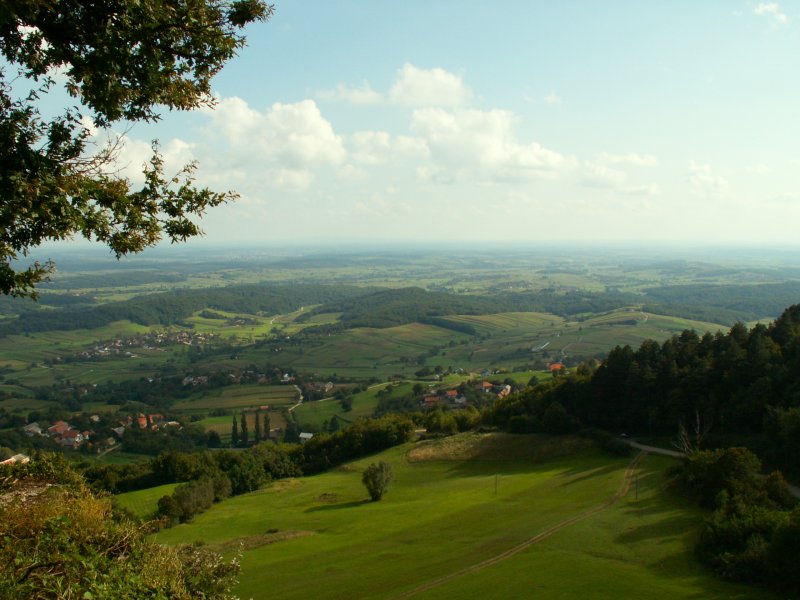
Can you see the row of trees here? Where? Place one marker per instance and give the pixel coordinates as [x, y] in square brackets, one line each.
[240, 433]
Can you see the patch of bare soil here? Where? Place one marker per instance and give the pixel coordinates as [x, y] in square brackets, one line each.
[327, 498]
[249, 542]
[498, 446]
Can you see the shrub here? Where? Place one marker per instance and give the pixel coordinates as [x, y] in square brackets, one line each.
[377, 478]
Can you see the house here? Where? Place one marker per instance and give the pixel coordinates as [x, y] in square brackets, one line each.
[556, 366]
[71, 438]
[119, 431]
[451, 395]
[21, 459]
[58, 428]
[32, 429]
[141, 421]
[305, 436]
[431, 400]
[485, 387]
[504, 391]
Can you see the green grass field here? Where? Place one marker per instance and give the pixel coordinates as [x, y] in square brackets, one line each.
[144, 503]
[311, 415]
[456, 503]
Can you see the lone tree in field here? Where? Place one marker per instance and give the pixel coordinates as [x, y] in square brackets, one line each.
[122, 62]
[377, 478]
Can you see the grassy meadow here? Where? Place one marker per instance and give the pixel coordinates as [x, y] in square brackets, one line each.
[454, 504]
[144, 503]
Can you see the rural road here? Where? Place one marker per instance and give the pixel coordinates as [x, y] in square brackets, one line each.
[654, 449]
[621, 492]
[795, 490]
[299, 398]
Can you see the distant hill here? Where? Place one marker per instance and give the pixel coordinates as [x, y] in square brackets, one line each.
[171, 307]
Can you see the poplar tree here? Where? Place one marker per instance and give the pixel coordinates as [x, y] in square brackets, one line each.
[235, 433]
[245, 437]
[257, 429]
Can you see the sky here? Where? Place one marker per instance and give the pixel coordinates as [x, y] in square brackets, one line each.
[525, 121]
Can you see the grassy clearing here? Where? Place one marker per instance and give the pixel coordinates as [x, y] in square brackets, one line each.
[311, 415]
[455, 503]
[144, 503]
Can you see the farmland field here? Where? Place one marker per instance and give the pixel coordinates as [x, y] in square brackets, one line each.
[456, 503]
[240, 397]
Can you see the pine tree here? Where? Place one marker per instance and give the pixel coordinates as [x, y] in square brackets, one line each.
[235, 433]
[257, 430]
[245, 437]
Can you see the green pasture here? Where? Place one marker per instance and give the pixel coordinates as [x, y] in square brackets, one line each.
[239, 397]
[311, 415]
[361, 352]
[458, 502]
[509, 339]
[25, 404]
[144, 503]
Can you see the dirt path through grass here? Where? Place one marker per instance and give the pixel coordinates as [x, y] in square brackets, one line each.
[621, 493]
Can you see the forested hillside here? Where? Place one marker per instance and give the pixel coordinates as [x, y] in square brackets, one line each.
[738, 385]
[724, 304]
[170, 307]
[389, 308]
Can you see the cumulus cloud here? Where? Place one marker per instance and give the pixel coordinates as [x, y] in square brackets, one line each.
[378, 147]
[467, 143]
[413, 86]
[771, 9]
[428, 87]
[285, 141]
[703, 180]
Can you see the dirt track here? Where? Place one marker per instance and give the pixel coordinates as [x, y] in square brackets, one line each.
[621, 492]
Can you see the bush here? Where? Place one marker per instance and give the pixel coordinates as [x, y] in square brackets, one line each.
[377, 478]
[67, 544]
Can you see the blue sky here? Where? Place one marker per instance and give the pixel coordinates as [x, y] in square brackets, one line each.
[520, 121]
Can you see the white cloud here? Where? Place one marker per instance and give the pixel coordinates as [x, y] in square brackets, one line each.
[413, 86]
[378, 147]
[470, 143]
[428, 87]
[285, 142]
[364, 95]
[703, 181]
[772, 9]
[632, 159]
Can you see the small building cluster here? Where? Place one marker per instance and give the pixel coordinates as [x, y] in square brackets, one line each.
[60, 432]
